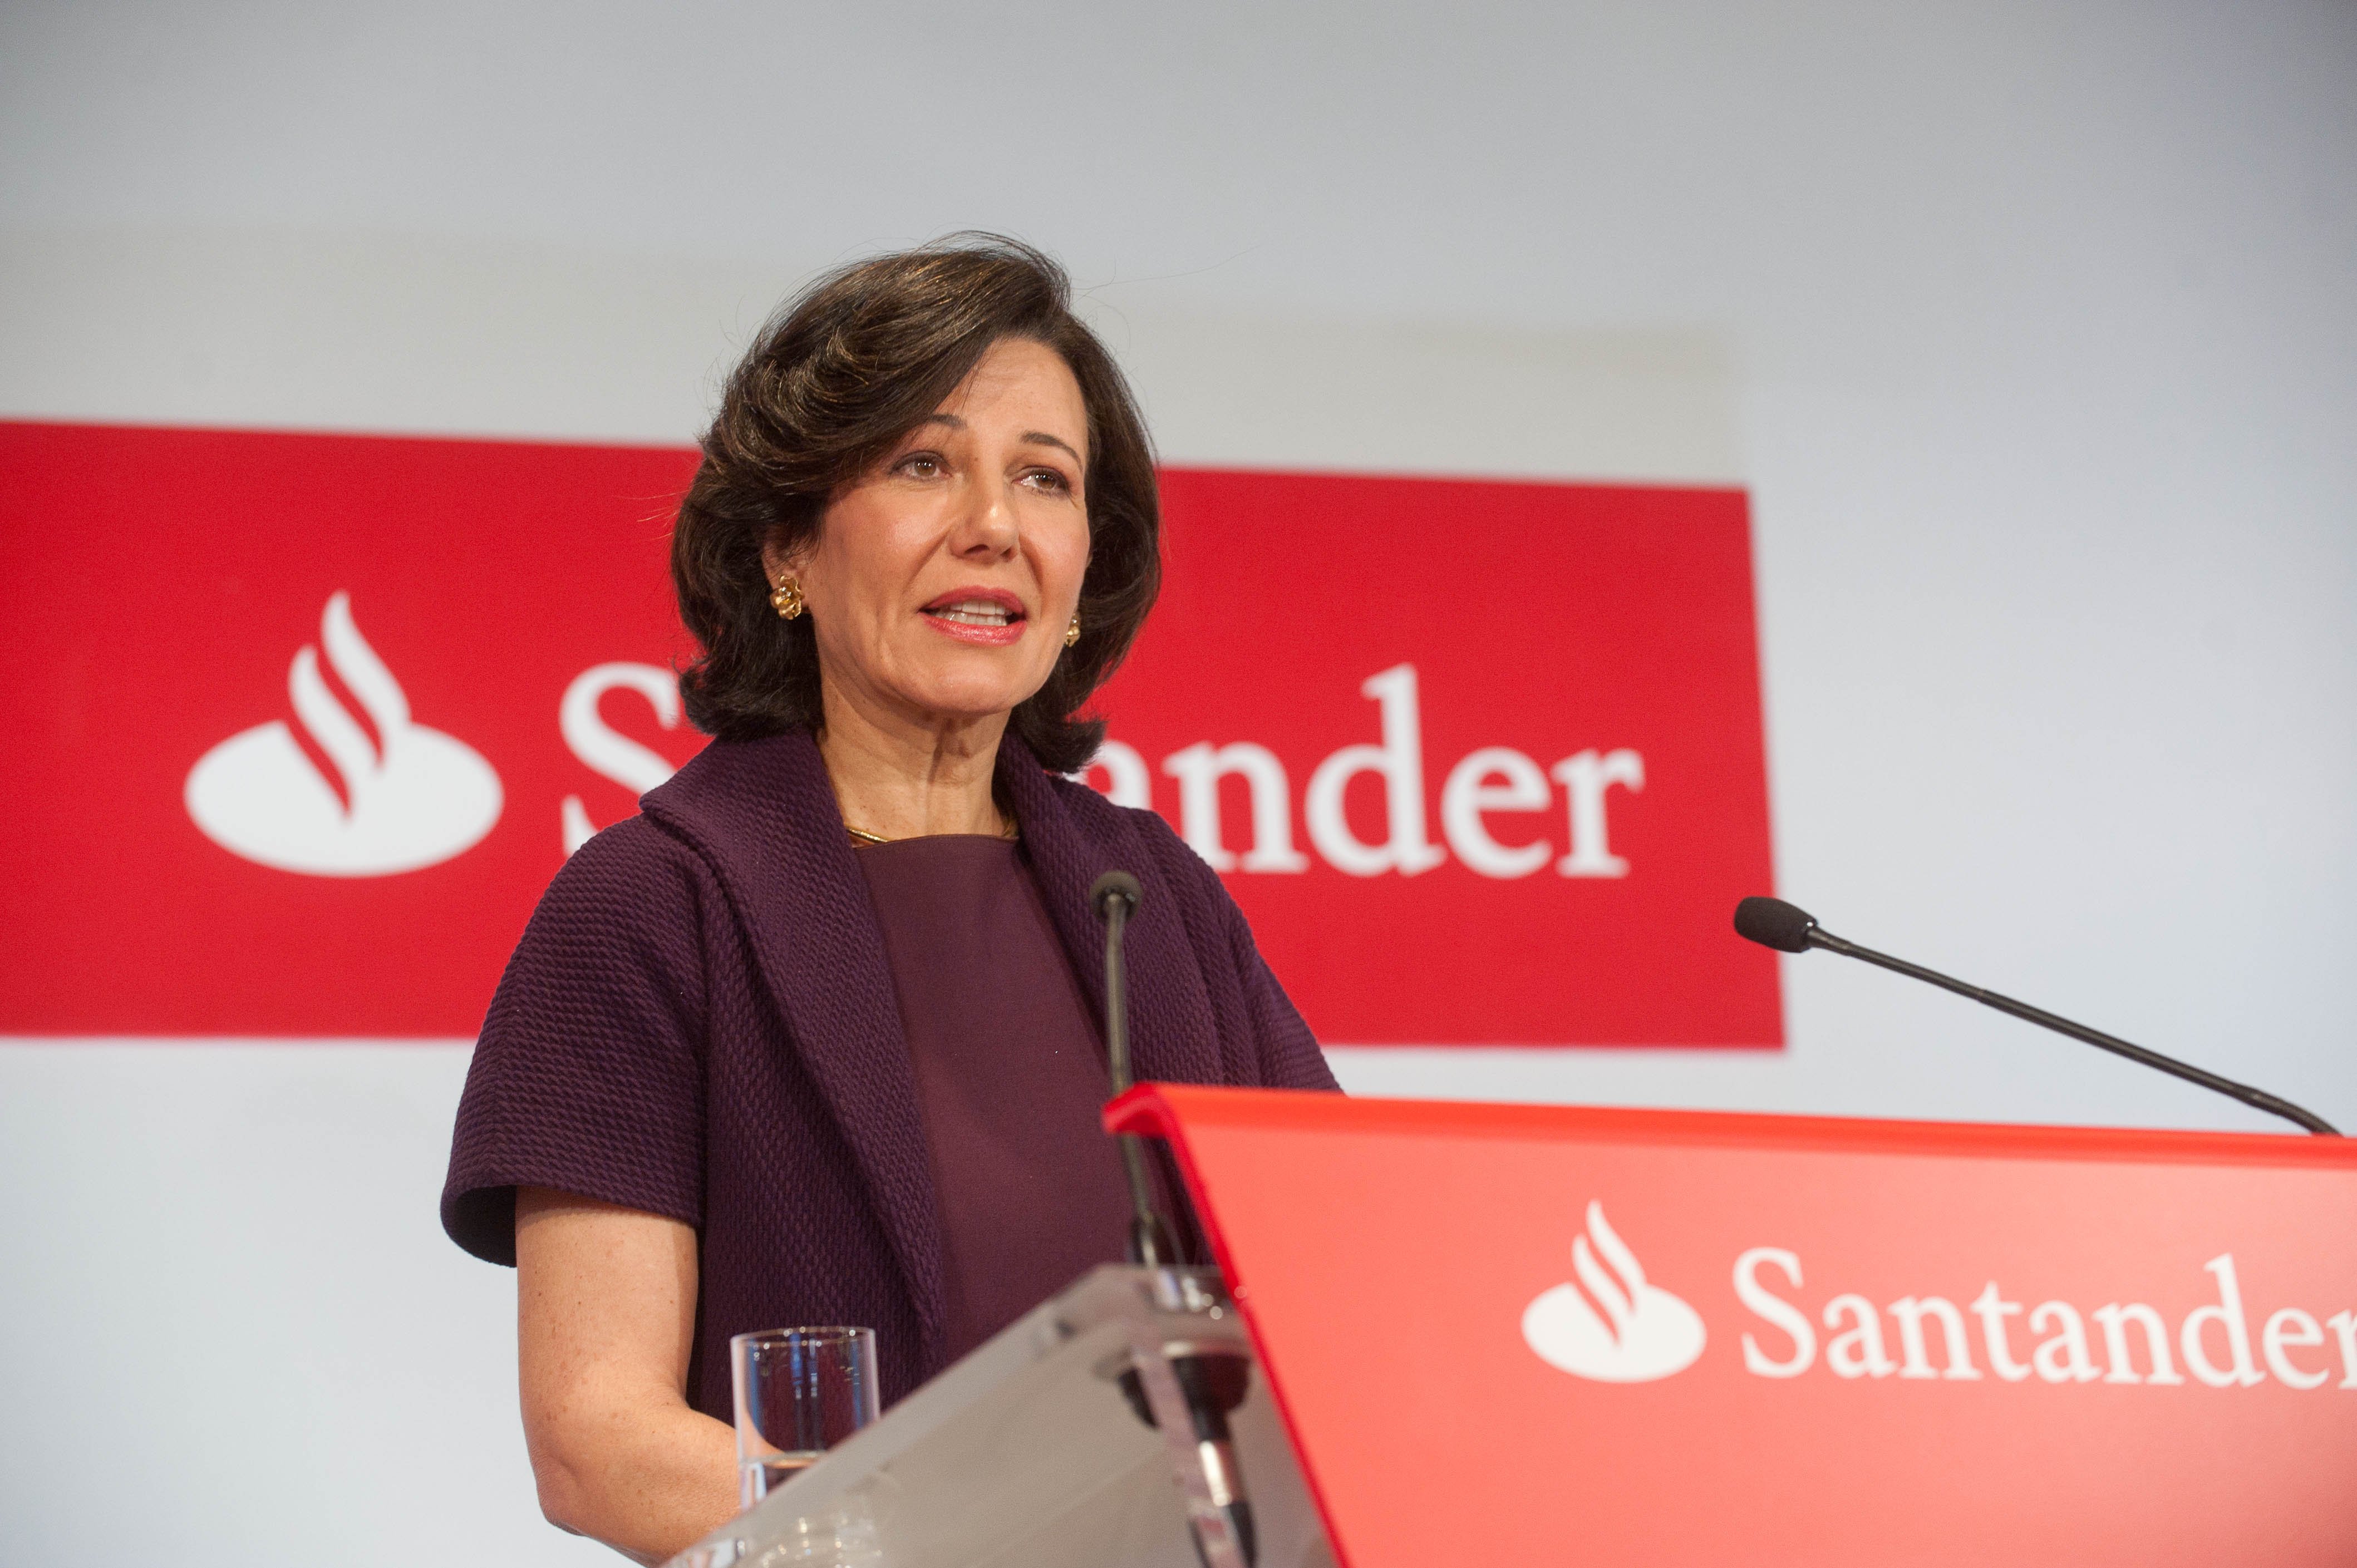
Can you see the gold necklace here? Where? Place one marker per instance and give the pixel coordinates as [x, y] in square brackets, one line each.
[1013, 834]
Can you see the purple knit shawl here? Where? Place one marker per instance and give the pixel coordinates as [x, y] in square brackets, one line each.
[701, 1022]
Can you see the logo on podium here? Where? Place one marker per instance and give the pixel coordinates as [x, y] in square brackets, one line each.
[403, 797]
[1611, 1326]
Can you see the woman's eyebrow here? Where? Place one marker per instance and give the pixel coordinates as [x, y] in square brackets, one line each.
[1031, 437]
[1042, 439]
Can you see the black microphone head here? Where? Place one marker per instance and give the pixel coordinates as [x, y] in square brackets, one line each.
[1115, 885]
[1773, 923]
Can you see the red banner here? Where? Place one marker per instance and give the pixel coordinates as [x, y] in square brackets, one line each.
[302, 724]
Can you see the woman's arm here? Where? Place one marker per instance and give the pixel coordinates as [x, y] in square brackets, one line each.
[605, 1315]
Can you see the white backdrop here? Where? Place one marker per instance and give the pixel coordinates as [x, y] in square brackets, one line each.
[2031, 330]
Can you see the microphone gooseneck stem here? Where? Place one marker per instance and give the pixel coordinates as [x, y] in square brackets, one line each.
[1149, 1241]
[1211, 1385]
[1116, 917]
[2259, 1099]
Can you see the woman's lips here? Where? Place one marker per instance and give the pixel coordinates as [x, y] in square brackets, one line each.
[991, 618]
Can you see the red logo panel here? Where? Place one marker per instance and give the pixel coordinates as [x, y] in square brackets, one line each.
[1533, 1333]
[301, 725]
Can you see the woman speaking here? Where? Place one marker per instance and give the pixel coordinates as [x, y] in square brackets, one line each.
[818, 1036]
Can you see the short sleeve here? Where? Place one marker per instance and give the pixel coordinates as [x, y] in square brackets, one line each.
[588, 1077]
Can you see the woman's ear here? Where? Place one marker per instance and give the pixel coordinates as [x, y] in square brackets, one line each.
[778, 562]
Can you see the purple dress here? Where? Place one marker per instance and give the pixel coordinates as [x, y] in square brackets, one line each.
[702, 1022]
[1010, 1078]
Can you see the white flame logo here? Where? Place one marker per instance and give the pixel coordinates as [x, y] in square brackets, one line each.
[1621, 1329]
[412, 797]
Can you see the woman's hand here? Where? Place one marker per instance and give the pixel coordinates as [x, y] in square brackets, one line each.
[604, 1316]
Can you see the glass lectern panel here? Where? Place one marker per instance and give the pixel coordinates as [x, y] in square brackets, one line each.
[1036, 1451]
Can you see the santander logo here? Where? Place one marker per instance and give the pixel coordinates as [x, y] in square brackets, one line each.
[401, 795]
[1613, 1326]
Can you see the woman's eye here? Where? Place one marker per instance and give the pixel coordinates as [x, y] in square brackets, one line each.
[921, 466]
[1048, 480]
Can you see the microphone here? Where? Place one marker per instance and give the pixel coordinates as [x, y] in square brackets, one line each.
[1212, 1383]
[1116, 897]
[1773, 923]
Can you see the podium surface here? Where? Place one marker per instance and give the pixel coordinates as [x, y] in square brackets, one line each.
[1030, 1454]
[1522, 1334]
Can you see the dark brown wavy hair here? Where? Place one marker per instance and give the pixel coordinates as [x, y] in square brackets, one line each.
[834, 381]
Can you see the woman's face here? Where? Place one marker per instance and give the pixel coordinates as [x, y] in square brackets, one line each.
[941, 584]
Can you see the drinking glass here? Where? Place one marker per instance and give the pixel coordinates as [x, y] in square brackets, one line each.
[800, 1392]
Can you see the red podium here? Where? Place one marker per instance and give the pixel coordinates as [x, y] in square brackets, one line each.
[1511, 1335]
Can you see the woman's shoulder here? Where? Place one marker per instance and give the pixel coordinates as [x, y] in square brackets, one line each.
[618, 944]
[1110, 826]
[628, 885]
[634, 859]
[1138, 833]
[1259, 1019]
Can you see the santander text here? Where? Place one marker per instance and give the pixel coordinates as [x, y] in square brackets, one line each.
[1482, 788]
[1493, 781]
[2121, 1342]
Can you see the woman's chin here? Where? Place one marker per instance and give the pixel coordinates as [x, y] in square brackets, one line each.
[966, 701]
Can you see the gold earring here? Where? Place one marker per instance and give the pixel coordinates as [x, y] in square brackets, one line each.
[786, 598]
[1073, 632]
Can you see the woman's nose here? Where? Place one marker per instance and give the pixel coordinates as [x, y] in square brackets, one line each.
[986, 530]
